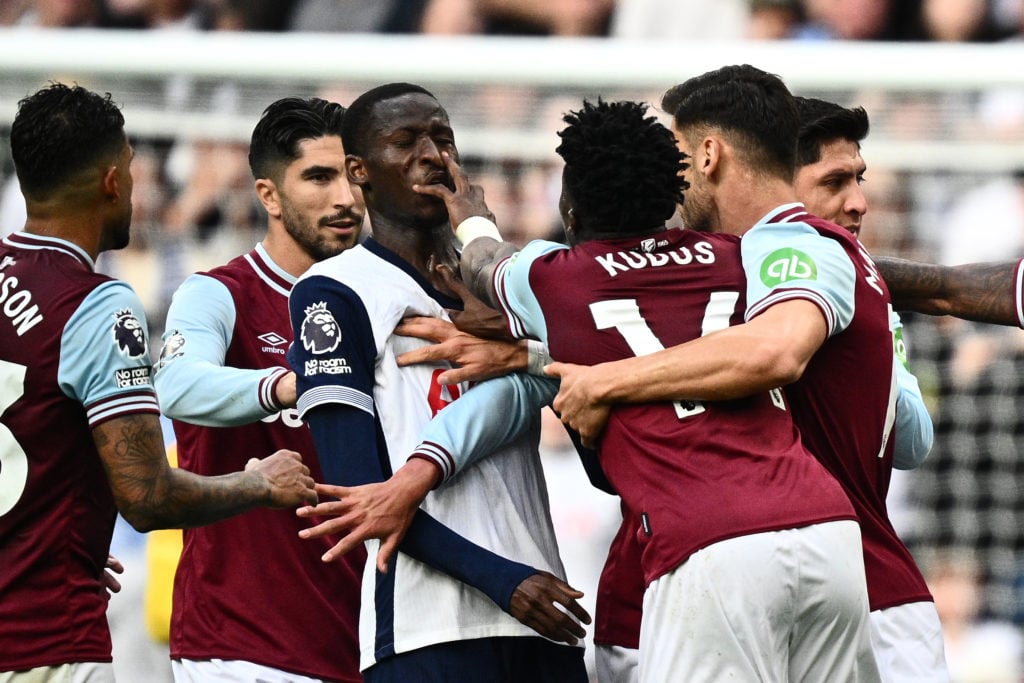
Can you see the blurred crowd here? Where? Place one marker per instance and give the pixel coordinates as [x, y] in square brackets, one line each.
[900, 20]
[961, 513]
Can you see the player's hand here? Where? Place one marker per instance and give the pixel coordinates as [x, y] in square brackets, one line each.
[381, 510]
[476, 359]
[110, 581]
[533, 604]
[285, 391]
[577, 403]
[476, 317]
[288, 478]
[464, 201]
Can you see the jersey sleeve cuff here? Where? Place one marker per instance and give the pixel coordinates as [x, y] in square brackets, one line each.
[121, 405]
[438, 456]
[268, 391]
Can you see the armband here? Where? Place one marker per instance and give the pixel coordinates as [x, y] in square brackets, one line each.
[476, 226]
[536, 357]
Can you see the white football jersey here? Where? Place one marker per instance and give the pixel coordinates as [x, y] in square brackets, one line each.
[344, 353]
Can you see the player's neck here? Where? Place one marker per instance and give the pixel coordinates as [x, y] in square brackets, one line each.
[423, 249]
[752, 200]
[284, 251]
[77, 229]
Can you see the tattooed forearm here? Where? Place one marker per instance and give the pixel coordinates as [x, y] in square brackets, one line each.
[152, 495]
[984, 292]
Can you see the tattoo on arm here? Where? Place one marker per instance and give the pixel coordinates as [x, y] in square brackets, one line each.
[152, 495]
[984, 292]
[478, 261]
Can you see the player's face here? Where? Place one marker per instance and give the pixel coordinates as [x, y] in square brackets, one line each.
[321, 211]
[830, 188]
[408, 135]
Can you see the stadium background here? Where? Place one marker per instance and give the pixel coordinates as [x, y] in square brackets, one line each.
[945, 183]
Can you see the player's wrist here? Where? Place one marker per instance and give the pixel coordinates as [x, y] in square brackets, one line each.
[283, 391]
[536, 357]
[607, 385]
[420, 474]
[474, 227]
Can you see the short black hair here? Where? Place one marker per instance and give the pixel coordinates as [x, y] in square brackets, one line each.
[623, 170]
[354, 131]
[822, 121]
[60, 131]
[285, 124]
[752, 104]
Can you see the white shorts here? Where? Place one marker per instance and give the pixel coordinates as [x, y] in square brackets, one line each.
[908, 644]
[79, 672]
[231, 671]
[786, 605]
[616, 664]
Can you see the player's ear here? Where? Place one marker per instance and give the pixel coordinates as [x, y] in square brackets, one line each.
[109, 185]
[571, 222]
[355, 169]
[711, 152]
[266, 192]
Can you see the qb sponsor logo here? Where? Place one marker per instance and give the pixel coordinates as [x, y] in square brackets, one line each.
[783, 265]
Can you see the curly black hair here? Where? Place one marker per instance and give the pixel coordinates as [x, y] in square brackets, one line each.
[623, 171]
[286, 123]
[60, 131]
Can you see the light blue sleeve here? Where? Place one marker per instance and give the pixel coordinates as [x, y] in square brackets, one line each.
[466, 430]
[785, 261]
[104, 354]
[514, 294]
[192, 382]
[914, 429]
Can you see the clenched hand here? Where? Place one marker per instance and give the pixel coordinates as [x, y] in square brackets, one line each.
[287, 477]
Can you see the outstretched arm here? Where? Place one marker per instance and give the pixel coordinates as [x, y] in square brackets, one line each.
[475, 359]
[153, 495]
[770, 351]
[113, 387]
[455, 439]
[984, 292]
[531, 596]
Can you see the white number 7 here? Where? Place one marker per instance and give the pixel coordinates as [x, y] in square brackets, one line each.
[13, 461]
[624, 315]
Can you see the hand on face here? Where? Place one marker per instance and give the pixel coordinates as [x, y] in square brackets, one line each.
[465, 200]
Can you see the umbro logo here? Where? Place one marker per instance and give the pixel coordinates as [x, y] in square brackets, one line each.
[272, 338]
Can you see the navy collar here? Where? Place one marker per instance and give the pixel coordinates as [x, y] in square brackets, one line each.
[377, 249]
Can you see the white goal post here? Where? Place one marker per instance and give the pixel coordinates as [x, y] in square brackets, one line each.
[130, 64]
